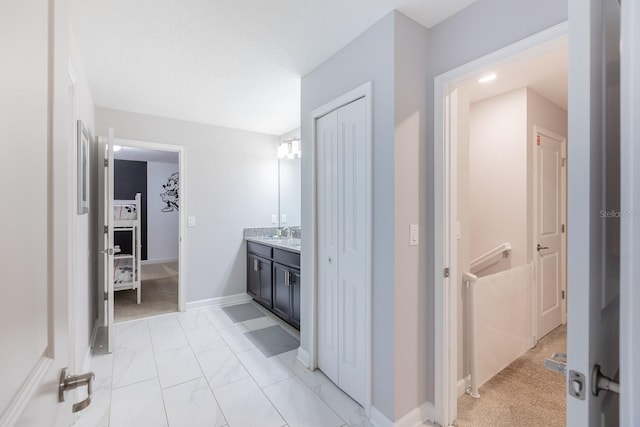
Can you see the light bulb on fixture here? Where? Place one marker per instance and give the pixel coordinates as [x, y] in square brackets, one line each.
[488, 78]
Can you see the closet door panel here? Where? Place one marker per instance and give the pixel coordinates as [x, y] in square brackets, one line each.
[327, 190]
[351, 250]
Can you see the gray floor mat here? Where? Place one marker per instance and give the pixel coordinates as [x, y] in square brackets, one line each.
[242, 312]
[273, 340]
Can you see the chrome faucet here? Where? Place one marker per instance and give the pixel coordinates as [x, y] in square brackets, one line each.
[287, 232]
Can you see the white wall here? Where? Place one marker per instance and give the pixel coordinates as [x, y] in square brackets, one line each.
[162, 227]
[498, 174]
[85, 246]
[230, 183]
[495, 173]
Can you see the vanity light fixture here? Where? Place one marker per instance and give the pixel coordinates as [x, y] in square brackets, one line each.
[488, 78]
[116, 148]
[289, 149]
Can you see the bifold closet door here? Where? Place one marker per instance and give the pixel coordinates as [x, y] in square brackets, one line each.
[342, 246]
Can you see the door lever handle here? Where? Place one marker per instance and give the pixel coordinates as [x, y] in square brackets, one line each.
[71, 382]
[542, 247]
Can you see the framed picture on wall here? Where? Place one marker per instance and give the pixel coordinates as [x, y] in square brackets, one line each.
[83, 168]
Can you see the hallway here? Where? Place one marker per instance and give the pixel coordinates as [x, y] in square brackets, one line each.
[198, 368]
[522, 394]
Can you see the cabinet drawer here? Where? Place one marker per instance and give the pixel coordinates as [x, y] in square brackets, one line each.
[285, 257]
[259, 249]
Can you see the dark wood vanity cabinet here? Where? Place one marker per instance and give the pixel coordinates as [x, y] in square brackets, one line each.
[273, 280]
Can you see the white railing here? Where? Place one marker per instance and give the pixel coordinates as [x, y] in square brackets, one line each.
[470, 280]
[490, 258]
[499, 322]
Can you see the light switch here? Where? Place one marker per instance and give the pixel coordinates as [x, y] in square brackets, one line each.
[283, 218]
[458, 232]
[413, 235]
[191, 221]
[274, 219]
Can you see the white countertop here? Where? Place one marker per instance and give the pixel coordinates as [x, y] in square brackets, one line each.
[287, 243]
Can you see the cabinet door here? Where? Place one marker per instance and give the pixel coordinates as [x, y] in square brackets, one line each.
[281, 292]
[264, 267]
[294, 286]
[253, 276]
[259, 279]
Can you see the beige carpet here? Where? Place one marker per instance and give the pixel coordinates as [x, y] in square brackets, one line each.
[522, 394]
[159, 294]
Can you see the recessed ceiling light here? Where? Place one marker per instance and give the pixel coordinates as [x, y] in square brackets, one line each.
[486, 79]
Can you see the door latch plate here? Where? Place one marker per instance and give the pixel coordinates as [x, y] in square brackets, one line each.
[577, 385]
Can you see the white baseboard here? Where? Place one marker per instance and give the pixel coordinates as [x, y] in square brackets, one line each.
[28, 389]
[214, 302]
[463, 384]
[158, 261]
[303, 357]
[415, 418]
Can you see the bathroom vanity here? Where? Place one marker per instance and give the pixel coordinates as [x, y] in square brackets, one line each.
[273, 275]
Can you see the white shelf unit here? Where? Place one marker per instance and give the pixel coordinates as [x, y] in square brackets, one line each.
[127, 217]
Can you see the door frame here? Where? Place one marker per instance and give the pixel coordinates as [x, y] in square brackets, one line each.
[629, 202]
[537, 129]
[309, 255]
[182, 235]
[445, 213]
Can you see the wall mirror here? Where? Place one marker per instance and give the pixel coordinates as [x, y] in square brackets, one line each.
[289, 184]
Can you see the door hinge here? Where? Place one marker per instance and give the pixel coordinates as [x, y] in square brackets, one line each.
[564, 161]
[446, 272]
[106, 163]
[563, 228]
[106, 296]
[105, 228]
[562, 294]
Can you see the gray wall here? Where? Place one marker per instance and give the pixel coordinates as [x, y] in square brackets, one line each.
[388, 54]
[367, 58]
[412, 356]
[230, 180]
[483, 27]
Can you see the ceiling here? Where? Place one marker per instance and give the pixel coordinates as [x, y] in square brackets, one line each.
[545, 70]
[233, 63]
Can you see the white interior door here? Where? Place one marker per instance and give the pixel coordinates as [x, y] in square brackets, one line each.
[341, 195]
[549, 224]
[352, 251]
[593, 190]
[105, 240]
[327, 190]
[36, 334]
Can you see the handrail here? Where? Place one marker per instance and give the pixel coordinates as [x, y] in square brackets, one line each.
[490, 258]
[470, 280]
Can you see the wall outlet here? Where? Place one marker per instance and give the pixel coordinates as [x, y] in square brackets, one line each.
[274, 219]
[283, 218]
[191, 221]
[413, 235]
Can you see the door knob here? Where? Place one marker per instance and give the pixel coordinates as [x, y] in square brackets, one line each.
[542, 247]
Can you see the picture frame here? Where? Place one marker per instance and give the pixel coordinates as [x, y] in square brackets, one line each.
[84, 138]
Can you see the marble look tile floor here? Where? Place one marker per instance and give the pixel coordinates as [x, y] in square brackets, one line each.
[198, 369]
[523, 394]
